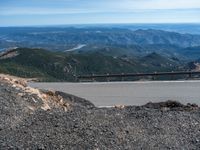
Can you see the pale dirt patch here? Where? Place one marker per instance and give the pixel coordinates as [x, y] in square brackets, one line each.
[9, 54]
[50, 99]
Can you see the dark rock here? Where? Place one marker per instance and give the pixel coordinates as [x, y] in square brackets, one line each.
[75, 99]
[167, 104]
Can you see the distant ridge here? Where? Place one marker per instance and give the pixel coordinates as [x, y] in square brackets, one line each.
[57, 38]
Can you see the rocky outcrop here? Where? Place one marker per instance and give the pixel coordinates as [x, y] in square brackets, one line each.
[8, 54]
[35, 119]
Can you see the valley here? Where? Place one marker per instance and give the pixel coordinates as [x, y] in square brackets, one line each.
[58, 53]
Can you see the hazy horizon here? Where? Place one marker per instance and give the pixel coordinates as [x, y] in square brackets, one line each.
[100, 24]
[75, 12]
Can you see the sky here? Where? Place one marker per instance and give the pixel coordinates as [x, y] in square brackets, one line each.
[61, 12]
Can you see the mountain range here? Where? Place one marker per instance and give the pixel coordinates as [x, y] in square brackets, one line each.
[66, 38]
[60, 54]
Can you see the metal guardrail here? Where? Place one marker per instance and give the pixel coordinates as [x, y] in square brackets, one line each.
[190, 73]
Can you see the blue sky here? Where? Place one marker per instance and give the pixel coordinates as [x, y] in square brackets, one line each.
[52, 12]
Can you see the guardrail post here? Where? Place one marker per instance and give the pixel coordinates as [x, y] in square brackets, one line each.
[93, 79]
[153, 77]
[122, 78]
[190, 75]
[108, 80]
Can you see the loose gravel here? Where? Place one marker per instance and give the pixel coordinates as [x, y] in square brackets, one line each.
[74, 123]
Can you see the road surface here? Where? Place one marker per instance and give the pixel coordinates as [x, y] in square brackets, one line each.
[130, 93]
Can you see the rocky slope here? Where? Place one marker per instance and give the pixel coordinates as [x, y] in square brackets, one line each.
[35, 119]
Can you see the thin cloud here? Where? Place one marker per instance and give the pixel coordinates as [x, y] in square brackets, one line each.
[54, 11]
[158, 4]
[42, 11]
[102, 11]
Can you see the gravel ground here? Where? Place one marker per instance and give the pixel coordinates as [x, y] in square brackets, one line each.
[77, 124]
